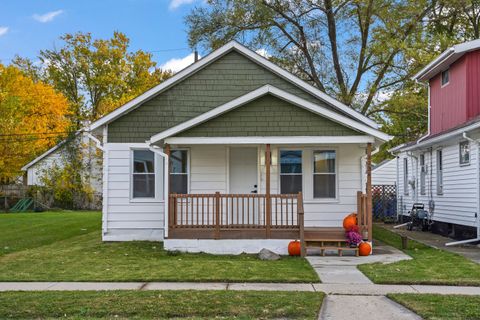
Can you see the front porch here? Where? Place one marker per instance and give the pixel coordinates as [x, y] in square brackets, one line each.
[260, 216]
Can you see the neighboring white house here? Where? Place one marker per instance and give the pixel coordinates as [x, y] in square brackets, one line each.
[385, 173]
[55, 156]
[233, 154]
[441, 169]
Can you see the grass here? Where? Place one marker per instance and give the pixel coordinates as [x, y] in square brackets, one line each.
[160, 304]
[428, 266]
[436, 307]
[22, 231]
[86, 258]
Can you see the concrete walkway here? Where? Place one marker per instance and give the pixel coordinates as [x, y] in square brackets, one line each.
[331, 289]
[469, 251]
[343, 270]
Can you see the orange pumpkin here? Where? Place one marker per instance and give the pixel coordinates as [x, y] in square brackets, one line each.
[294, 248]
[350, 221]
[364, 249]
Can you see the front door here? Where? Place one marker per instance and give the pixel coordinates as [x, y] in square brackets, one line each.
[243, 170]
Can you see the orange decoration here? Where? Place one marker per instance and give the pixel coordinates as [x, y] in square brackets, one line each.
[294, 248]
[350, 221]
[364, 249]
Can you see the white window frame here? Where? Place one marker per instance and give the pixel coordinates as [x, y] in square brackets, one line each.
[423, 174]
[319, 173]
[188, 169]
[439, 161]
[405, 177]
[279, 164]
[156, 164]
[441, 77]
[460, 153]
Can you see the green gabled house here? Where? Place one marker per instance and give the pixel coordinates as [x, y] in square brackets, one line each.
[234, 154]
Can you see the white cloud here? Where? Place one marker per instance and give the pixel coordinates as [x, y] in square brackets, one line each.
[174, 4]
[3, 31]
[177, 64]
[47, 17]
[264, 53]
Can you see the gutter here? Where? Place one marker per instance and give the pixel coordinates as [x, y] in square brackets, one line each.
[160, 152]
[432, 65]
[477, 142]
[444, 137]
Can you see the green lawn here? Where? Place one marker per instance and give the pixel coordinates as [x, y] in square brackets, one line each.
[434, 306]
[428, 266]
[19, 231]
[86, 258]
[160, 305]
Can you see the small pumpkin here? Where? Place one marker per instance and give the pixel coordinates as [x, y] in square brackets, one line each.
[294, 248]
[350, 221]
[364, 249]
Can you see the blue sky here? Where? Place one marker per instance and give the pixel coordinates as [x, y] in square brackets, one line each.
[27, 26]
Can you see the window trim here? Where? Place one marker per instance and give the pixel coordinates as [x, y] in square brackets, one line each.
[188, 169]
[159, 197]
[437, 159]
[441, 78]
[423, 174]
[460, 153]
[279, 164]
[313, 173]
[406, 188]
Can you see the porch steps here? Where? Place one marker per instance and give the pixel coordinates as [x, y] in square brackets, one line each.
[327, 239]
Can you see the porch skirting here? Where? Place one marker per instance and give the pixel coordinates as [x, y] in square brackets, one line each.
[227, 246]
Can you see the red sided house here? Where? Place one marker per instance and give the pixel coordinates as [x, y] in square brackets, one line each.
[441, 169]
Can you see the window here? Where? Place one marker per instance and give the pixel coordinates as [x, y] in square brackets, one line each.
[445, 77]
[405, 176]
[464, 152]
[324, 174]
[143, 174]
[439, 172]
[423, 174]
[179, 171]
[290, 171]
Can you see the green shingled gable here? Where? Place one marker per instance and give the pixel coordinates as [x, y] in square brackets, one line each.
[227, 78]
[268, 116]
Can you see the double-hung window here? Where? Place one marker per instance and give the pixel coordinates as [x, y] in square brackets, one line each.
[179, 171]
[143, 174]
[324, 174]
[423, 174]
[290, 171]
[405, 176]
[464, 153]
[439, 172]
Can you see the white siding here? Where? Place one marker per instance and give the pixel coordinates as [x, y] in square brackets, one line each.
[125, 218]
[459, 202]
[57, 158]
[385, 173]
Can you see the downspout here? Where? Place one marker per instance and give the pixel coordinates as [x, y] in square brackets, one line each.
[415, 189]
[160, 152]
[477, 142]
[429, 113]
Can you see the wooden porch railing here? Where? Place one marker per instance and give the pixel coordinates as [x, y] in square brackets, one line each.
[235, 216]
[364, 219]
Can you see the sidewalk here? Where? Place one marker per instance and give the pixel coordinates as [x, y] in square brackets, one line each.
[335, 289]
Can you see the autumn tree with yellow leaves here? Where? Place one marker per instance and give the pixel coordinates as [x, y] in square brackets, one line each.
[33, 116]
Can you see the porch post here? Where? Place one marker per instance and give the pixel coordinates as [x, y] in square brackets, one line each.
[268, 204]
[171, 207]
[368, 190]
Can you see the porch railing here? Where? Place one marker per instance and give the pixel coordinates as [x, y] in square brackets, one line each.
[235, 215]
